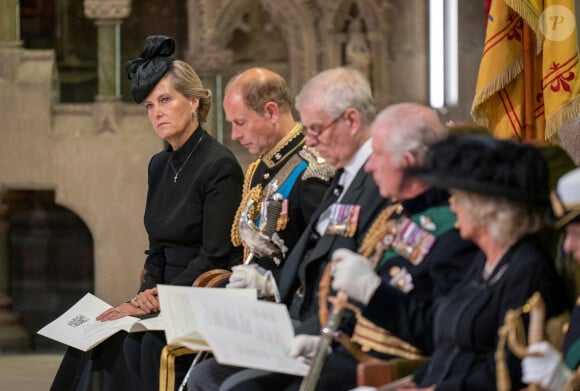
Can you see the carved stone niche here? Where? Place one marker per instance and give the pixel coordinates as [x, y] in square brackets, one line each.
[107, 9]
[211, 62]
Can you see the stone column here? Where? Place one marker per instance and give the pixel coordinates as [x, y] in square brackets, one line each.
[10, 44]
[108, 16]
[9, 20]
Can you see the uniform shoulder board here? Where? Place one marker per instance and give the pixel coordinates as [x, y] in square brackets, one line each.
[317, 166]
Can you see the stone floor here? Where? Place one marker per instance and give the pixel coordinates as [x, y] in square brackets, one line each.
[28, 371]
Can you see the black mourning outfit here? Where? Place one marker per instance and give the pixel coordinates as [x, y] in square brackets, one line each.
[189, 220]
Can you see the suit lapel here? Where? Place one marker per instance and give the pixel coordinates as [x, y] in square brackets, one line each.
[352, 196]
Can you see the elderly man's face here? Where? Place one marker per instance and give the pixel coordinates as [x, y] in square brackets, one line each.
[572, 241]
[332, 137]
[388, 175]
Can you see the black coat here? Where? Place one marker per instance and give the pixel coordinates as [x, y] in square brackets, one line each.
[188, 221]
[300, 275]
[442, 269]
[463, 325]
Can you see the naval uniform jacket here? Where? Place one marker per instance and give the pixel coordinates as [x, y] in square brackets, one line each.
[300, 275]
[442, 268]
[305, 194]
[188, 221]
[464, 324]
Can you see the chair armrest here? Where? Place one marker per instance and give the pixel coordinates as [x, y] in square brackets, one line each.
[212, 278]
[377, 373]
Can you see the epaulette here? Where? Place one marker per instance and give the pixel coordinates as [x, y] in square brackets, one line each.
[317, 166]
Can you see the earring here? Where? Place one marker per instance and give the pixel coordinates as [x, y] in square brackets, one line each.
[194, 114]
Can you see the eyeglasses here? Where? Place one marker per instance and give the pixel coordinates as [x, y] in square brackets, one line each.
[317, 130]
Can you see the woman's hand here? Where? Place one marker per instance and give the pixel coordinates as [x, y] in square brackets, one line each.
[147, 301]
[119, 312]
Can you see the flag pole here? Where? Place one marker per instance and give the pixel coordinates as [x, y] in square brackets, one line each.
[529, 130]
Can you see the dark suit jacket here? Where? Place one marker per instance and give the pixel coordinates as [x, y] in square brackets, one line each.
[300, 275]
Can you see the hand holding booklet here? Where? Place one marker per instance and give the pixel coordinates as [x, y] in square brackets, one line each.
[239, 329]
[248, 333]
[79, 328]
[181, 320]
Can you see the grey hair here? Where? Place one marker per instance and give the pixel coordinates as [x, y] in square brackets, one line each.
[337, 89]
[416, 128]
[506, 221]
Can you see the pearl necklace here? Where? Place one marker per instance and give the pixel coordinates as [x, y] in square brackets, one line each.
[177, 172]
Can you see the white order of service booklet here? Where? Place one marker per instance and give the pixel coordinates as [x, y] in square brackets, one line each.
[180, 320]
[248, 333]
[78, 326]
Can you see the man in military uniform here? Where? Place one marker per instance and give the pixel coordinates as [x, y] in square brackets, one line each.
[412, 244]
[336, 107]
[258, 105]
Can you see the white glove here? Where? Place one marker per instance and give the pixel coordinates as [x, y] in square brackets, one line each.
[303, 347]
[548, 370]
[353, 274]
[253, 276]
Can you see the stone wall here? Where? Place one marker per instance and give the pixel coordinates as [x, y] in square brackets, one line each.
[100, 176]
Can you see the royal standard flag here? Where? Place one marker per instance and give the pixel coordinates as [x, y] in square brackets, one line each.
[499, 96]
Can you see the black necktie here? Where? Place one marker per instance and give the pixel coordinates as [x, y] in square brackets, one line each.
[338, 187]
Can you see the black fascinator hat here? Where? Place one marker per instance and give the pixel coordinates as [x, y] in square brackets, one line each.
[153, 62]
[485, 165]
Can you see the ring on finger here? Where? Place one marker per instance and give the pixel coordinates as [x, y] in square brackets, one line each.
[117, 310]
[136, 298]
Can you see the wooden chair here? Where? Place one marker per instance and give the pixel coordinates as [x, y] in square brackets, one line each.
[209, 279]
[378, 373]
[212, 278]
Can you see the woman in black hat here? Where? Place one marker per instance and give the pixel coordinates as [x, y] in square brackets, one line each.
[194, 189]
[499, 194]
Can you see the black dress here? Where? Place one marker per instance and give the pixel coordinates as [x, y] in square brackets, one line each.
[188, 222]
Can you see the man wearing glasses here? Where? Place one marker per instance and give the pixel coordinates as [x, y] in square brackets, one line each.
[336, 109]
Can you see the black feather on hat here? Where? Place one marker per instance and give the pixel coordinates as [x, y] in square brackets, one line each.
[153, 62]
[485, 165]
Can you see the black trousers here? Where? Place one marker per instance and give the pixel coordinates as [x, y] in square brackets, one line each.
[102, 368]
[338, 373]
[143, 355]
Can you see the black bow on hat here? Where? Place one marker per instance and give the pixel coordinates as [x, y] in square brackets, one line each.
[153, 62]
[485, 165]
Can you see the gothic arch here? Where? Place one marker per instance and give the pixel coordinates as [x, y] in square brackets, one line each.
[211, 28]
[297, 25]
[374, 15]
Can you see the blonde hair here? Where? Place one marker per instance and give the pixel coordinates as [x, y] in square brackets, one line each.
[505, 220]
[184, 79]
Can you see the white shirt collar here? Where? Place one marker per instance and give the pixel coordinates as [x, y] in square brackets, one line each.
[356, 163]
